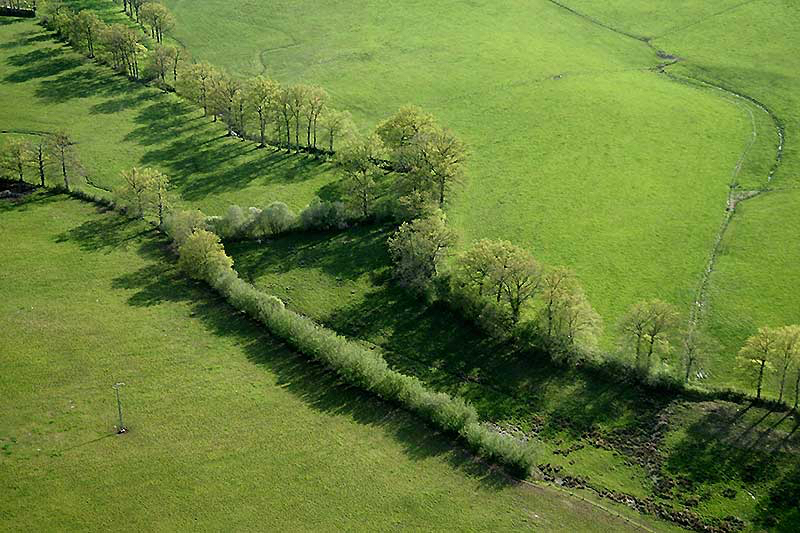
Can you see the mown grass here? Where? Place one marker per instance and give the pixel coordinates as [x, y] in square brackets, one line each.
[227, 428]
[579, 152]
[118, 124]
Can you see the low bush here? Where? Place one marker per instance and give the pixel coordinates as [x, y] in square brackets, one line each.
[319, 215]
[180, 225]
[203, 257]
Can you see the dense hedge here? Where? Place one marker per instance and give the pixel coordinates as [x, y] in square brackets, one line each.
[367, 369]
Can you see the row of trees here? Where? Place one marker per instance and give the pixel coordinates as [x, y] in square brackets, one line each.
[294, 117]
[119, 45]
[144, 192]
[497, 284]
[21, 157]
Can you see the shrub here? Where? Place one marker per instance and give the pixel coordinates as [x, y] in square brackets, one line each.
[203, 257]
[319, 215]
[517, 457]
[275, 219]
[179, 225]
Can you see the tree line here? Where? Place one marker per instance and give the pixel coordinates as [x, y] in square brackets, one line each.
[48, 153]
[119, 45]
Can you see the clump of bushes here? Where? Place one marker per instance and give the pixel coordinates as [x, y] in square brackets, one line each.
[324, 216]
[202, 256]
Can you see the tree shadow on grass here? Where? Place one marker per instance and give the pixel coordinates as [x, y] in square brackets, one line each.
[722, 444]
[308, 380]
[41, 63]
[85, 82]
[433, 342]
[106, 233]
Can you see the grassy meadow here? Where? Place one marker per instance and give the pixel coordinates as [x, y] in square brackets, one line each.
[748, 47]
[579, 150]
[228, 429]
[118, 124]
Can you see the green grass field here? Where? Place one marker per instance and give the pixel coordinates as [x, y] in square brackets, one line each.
[343, 280]
[227, 428]
[118, 125]
[579, 151]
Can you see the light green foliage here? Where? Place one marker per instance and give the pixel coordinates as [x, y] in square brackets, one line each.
[647, 330]
[180, 225]
[417, 249]
[578, 149]
[15, 156]
[202, 256]
[788, 356]
[358, 163]
[158, 18]
[757, 357]
[333, 456]
[274, 219]
[320, 215]
[401, 132]
[502, 272]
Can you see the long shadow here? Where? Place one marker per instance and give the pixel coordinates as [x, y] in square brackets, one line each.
[106, 233]
[319, 388]
[436, 344]
[42, 63]
[719, 446]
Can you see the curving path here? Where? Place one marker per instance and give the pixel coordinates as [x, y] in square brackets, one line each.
[735, 196]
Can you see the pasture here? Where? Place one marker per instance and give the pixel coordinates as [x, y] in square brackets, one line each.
[584, 148]
[227, 427]
[580, 150]
[118, 124]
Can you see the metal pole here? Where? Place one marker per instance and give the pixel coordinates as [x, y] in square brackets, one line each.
[121, 428]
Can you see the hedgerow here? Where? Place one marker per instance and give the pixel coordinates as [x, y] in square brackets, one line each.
[354, 363]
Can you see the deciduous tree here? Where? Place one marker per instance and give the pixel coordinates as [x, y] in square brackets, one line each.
[788, 353]
[158, 17]
[61, 149]
[648, 325]
[417, 249]
[16, 155]
[357, 161]
[263, 95]
[757, 355]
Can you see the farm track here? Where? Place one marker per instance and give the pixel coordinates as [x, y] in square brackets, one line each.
[734, 197]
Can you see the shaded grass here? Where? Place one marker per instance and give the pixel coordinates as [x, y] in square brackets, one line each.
[343, 280]
[578, 151]
[118, 124]
[227, 427]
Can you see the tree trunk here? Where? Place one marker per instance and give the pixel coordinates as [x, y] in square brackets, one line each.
[297, 132]
[760, 378]
[331, 140]
[262, 127]
[40, 158]
[797, 390]
[783, 382]
[64, 169]
[315, 132]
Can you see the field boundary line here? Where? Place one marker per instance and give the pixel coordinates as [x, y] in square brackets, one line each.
[677, 29]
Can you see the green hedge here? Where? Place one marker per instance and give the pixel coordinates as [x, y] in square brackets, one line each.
[368, 370]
